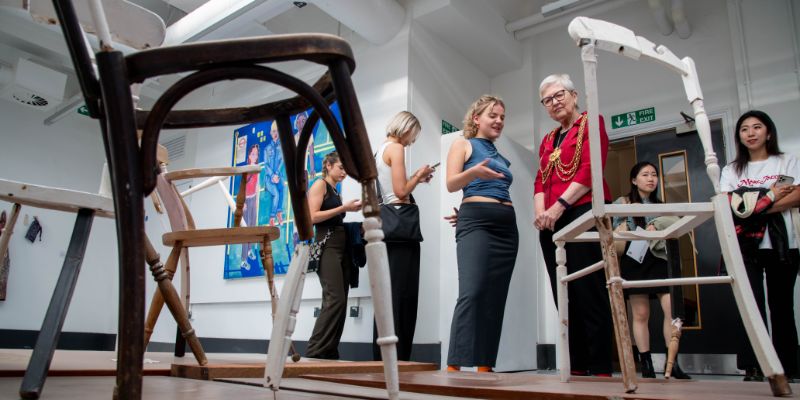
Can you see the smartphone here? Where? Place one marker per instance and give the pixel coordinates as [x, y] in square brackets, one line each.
[437, 164]
[784, 180]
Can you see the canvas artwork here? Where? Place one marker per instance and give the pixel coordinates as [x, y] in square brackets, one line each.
[267, 194]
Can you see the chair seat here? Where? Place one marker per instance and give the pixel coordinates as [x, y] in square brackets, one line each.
[692, 215]
[217, 237]
[55, 198]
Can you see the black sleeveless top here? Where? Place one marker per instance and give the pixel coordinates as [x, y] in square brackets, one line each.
[330, 201]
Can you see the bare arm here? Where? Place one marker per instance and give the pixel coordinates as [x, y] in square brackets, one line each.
[790, 199]
[395, 157]
[315, 196]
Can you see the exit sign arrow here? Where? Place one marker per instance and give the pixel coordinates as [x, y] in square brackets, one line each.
[633, 118]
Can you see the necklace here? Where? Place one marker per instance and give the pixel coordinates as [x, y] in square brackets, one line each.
[565, 171]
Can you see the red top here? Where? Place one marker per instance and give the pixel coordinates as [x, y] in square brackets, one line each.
[554, 187]
[252, 184]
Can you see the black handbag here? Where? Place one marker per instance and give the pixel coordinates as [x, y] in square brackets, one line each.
[400, 221]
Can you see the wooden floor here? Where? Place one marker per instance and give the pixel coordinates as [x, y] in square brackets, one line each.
[90, 377]
[530, 386]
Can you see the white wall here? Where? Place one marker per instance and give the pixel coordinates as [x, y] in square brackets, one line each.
[68, 155]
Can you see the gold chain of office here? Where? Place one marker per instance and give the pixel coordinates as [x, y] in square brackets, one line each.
[564, 171]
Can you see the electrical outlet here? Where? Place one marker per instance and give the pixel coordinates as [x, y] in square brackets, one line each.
[317, 311]
[355, 311]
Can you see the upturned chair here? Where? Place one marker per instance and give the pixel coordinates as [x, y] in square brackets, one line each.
[86, 206]
[590, 35]
[135, 170]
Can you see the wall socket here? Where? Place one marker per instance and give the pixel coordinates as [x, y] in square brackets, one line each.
[317, 310]
[355, 311]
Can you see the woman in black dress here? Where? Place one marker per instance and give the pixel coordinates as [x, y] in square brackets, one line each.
[644, 182]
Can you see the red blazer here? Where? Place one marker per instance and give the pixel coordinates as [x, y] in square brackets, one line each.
[555, 187]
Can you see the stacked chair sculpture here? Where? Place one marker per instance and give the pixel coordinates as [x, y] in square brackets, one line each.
[590, 35]
[135, 170]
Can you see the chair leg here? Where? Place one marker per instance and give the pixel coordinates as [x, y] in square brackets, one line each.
[562, 296]
[4, 239]
[381, 289]
[619, 312]
[47, 340]
[269, 269]
[743, 294]
[171, 297]
[286, 317]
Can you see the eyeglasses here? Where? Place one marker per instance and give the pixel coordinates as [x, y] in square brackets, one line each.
[559, 95]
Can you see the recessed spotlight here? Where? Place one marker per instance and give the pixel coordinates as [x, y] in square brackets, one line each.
[300, 4]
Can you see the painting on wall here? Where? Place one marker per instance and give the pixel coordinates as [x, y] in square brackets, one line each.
[267, 194]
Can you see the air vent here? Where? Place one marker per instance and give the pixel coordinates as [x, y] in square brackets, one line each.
[29, 99]
[35, 86]
[176, 147]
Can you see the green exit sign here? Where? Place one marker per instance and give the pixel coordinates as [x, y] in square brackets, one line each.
[83, 110]
[633, 118]
[448, 128]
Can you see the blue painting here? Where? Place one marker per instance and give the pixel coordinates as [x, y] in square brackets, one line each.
[267, 194]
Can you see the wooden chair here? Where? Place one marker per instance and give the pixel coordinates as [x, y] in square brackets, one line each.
[591, 34]
[86, 206]
[135, 171]
[184, 235]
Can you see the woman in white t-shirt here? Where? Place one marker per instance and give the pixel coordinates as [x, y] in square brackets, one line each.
[758, 166]
[396, 187]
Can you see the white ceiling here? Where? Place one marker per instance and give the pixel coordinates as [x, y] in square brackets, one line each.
[460, 23]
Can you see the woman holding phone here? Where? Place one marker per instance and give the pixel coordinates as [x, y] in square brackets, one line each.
[395, 188]
[761, 167]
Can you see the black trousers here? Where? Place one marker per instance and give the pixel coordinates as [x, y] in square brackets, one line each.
[334, 276]
[780, 278]
[590, 325]
[486, 244]
[404, 273]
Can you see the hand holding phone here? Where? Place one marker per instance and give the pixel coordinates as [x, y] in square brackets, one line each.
[784, 180]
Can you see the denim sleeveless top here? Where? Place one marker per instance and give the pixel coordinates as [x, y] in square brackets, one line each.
[494, 188]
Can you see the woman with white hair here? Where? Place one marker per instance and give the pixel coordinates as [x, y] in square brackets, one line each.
[404, 255]
[562, 190]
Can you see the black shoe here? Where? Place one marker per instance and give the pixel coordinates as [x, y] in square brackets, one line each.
[646, 364]
[677, 372]
[753, 375]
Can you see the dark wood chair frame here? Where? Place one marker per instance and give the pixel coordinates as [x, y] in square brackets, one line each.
[134, 169]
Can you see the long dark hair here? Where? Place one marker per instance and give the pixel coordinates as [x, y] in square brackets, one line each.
[634, 196]
[742, 154]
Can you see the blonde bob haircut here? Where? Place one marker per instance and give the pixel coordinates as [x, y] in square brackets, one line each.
[402, 124]
[477, 108]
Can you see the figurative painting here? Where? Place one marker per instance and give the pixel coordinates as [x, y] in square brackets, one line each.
[267, 194]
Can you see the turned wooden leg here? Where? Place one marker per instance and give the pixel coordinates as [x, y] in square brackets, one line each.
[562, 296]
[173, 300]
[286, 317]
[672, 349]
[269, 269]
[8, 230]
[619, 313]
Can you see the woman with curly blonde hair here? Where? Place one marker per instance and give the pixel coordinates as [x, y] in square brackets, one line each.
[486, 236]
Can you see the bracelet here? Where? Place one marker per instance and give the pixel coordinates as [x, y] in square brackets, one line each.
[564, 203]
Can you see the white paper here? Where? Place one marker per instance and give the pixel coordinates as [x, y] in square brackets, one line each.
[638, 248]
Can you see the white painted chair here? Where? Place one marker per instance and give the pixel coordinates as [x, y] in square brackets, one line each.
[86, 206]
[591, 34]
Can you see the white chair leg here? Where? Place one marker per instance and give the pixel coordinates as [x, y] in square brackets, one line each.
[563, 312]
[381, 288]
[286, 317]
[753, 324]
